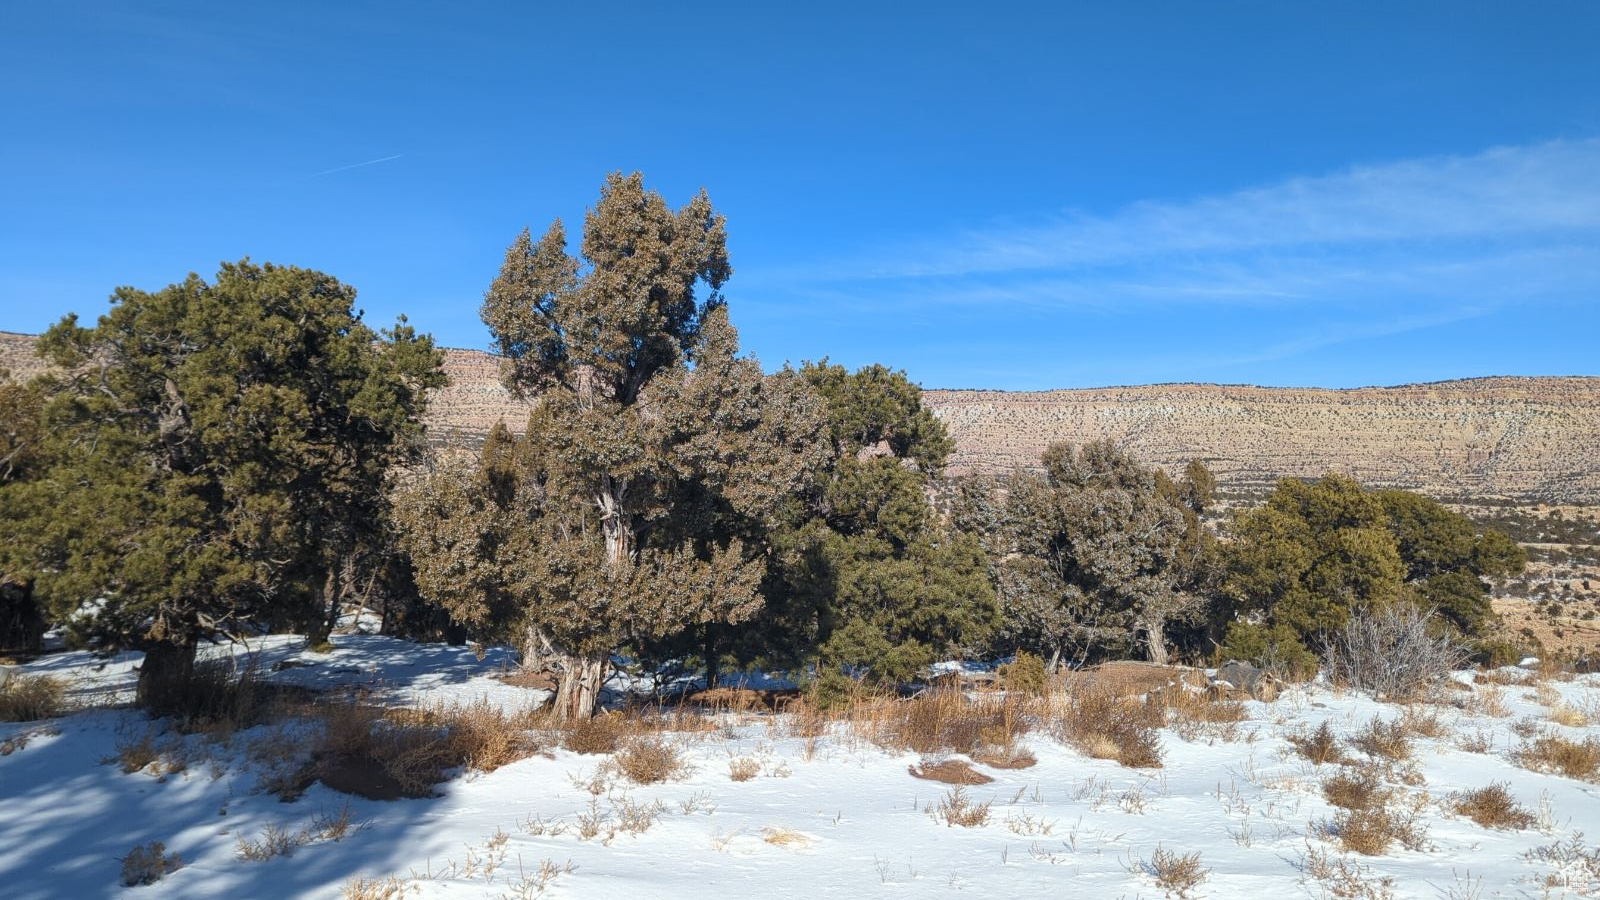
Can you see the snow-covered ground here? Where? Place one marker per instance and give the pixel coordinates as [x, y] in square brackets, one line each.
[835, 817]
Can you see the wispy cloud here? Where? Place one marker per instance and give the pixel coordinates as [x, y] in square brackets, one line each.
[1510, 224]
[370, 162]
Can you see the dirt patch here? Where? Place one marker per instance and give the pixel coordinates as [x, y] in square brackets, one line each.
[949, 771]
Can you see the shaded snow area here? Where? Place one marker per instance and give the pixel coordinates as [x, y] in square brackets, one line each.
[828, 816]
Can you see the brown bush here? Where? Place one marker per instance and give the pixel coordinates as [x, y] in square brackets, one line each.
[1491, 807]
[390, 753]
[1320, 747]
[597, 735]
[949, 771]
[944, 720]
[1388, 740]
[1010, 757]
[650, 760]
[1176, 873]
[956, 808]
[1357, 787]
[1108, 727]
[1374, 830]
[148, 864]
[29, 698]
[743, 768]
[1553, 753]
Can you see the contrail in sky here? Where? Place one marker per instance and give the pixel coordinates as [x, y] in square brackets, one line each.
[370, 162]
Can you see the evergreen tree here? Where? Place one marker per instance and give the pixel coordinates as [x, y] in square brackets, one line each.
[214, 447]
[1095, 551]
[888, 584]
[22, 461]
[1298, 566]
[655, 456]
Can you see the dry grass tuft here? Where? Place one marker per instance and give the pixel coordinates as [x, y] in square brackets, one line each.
[1176, 873]
[148, 864]
[784, 837]
[1571, 717]
[1553, 753]
[1108, 727]
[1320, 747]
[651, 760]
[949, 771]
[1010, 757]
[1373, 831]
[1357, 787]
[944, 720]
[598, 735]
[389, 753]
[1492, 807]
[390, 888]
[278, 841]
[29, 698]
[956, 808]
[1387, 740]
[743, 768]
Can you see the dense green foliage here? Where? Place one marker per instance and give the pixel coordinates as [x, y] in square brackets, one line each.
[1316, 552]
[1094, 552]
[636, 507]
[216, 458]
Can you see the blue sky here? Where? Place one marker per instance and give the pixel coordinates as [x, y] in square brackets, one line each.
[1043, 195]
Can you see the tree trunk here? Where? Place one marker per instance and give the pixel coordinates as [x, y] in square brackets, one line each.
[578, 691]
[710, 650]
[166, 667]
[1155, 637]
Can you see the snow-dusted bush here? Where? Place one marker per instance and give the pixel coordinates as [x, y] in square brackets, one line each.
[1395, 653]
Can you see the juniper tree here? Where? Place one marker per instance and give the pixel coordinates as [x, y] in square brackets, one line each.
[22, 461]
[888, 584]
[1093, 551]
[215, 448]
[1316, 552]
[654, 454]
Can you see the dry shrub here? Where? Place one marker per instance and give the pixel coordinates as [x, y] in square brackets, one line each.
[390, 888]
[784, 837]
[278, 841]
[1374, 830]
[1009, 757]
[597, 735]
[743, 768]
[1388, 740]
[1569, 716]
[1356, 787]
[1345, 879]
[1553, 753]
[1422, 722]
[1395, 653]
[1108, 727]
[944, 720]
[148, 864]
[1320, 747]
[949, 771]
[1196, 715]
[1492, 807]
[650, 760]
[1176, 873]
[29, 698]
[391, 753]
[956, 808]
[1488, 700]
[218, 695]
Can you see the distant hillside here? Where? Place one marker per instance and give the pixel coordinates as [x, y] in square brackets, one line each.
[1517, 438]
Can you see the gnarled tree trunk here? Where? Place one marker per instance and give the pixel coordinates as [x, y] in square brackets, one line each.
[578, 691]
